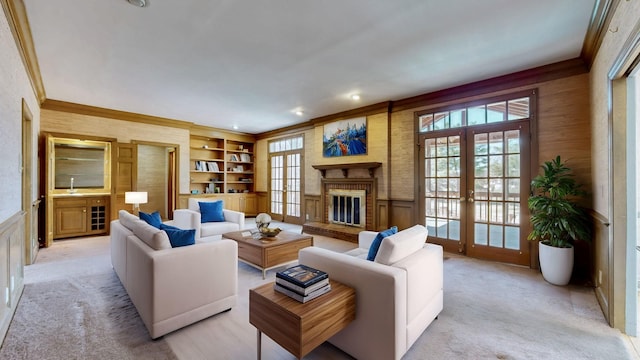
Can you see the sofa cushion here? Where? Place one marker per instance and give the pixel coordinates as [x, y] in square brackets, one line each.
[152, 219]
[375, 244]
[211, 211]
[179, 237]
[155, 238]
[127, 219]
[218, 228]
[398, 246]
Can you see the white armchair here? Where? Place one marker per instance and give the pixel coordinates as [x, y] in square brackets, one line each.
[191, 219]
[397, 296]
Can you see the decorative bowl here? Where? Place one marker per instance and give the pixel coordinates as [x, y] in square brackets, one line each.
[269, 232]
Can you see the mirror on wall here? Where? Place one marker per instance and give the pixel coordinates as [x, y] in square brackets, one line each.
[79, 166]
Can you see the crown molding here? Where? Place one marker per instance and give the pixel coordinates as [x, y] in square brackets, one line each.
[16, 14]
[56, 105]
[528, 77]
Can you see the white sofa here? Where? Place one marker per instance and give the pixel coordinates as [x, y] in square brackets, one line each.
[190, 219]
[172, 287]
[397, 296]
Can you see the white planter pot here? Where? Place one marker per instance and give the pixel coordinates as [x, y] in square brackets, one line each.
[556, 264]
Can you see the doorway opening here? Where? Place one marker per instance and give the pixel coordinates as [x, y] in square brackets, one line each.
[156, 173]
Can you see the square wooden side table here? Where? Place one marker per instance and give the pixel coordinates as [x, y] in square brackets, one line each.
[300, 327]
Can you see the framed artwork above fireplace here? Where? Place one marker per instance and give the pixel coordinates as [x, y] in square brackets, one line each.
[345, 138]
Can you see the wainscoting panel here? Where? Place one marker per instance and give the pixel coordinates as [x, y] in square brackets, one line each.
[12, 245]
[383, 214]
[403, 214]
[263, 202]
[601, 240]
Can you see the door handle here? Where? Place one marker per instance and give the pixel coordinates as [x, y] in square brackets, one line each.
[462, 199]
[471, 196]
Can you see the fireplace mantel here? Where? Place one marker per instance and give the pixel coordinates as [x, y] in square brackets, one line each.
[371, 166]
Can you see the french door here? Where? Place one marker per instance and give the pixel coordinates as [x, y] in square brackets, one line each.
[285, 191]
[475, 190]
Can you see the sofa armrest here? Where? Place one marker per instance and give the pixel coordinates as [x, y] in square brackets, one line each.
[365, 238]
[213, 266]
[379, 330]
[234, 216]
[187, 219]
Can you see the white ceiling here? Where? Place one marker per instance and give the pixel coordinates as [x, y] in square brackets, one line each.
[253, 63]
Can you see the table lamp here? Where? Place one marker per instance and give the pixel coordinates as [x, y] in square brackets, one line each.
[136, 198]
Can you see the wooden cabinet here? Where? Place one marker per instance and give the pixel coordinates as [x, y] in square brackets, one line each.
[80, 216]
[220, 165]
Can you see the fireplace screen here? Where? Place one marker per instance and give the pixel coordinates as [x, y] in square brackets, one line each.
[347, 207]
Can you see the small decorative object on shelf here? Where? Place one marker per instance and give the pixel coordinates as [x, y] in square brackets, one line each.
[263, 220]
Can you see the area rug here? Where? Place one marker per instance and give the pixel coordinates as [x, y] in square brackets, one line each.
[84, 317]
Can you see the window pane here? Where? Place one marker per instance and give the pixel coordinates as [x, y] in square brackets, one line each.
[518, 108]
[477, 115]
[457, 118]
[496, 166]
[426, 122]
[512, 238]
[454, 230]
[441, 121]
[480, 234]
[513, 141]
[513, 165]
[496, 112]
[495, 235]
[430, 223]
[481, 166]
[496, 145]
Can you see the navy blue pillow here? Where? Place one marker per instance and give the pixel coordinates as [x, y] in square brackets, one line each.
[211, 211]
[152, 219]
[179, 237]
[375, 245]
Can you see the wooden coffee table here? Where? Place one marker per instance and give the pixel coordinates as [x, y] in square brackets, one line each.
[268, 253]
[300, 327]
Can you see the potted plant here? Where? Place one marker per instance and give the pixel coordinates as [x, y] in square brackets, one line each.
[557, 220]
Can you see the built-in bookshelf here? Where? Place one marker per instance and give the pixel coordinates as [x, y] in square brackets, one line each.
[220, 165]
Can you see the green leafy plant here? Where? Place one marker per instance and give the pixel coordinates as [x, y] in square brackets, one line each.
[556, 217]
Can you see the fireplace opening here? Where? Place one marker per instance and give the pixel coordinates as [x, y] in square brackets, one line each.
[347, 207]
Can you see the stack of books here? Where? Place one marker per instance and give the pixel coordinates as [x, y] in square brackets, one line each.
[302, 282]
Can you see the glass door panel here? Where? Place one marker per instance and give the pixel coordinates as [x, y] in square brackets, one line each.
[443, 186]
[496, 197]
[277, 186]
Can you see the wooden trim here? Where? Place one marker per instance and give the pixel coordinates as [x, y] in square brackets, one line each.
[627, 59]
[285, 131]
[523, 78]
[208, 131]
[603, 11]
[378, 108]
[79, 136]
[16, 15]
[63, 106]
[371, 166]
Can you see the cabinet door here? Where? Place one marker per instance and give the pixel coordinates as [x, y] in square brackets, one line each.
[70, 221]
[249, 205]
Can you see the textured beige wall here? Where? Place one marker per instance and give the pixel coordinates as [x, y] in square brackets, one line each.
[123, 131]
[14, 86]
[611, 246]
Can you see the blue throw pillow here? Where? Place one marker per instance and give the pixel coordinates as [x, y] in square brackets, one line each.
[152, 219]
[211, 211]
[375, 245]
[178, 237]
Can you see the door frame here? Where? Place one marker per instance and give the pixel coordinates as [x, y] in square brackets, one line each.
[29, 206]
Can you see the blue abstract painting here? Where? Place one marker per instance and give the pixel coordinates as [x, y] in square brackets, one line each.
[345, 137]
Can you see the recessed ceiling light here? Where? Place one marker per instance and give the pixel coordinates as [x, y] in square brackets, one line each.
[139, 3]
[235, 127]
[299, 112]
[355, 97]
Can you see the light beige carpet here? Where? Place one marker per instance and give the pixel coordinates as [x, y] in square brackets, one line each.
[492, 311]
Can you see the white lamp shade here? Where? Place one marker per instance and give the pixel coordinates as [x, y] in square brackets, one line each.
[135, 197]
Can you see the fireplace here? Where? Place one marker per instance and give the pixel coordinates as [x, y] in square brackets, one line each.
[347, 203]
[347, 207]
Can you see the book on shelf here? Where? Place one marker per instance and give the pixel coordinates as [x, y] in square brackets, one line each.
[245, 158]
[302, 275]
[294, 295]
[213, 166]
[299, 289]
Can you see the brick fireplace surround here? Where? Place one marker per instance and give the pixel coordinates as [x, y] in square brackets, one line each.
[344, 232]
